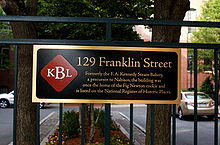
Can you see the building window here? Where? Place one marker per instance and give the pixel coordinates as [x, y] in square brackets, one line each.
[4, 57]
[3, 89]
[191, 16]
[190, 63]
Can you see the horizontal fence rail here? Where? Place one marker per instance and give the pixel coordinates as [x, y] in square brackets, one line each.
[107, 43]
[108, 20]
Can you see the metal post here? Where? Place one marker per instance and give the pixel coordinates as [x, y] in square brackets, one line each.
[60, 123]
[195, 99]
[15, 94]
[107, 123]
[174, 125]
[216, 95]
[38, 124]
[131, 123]
[108, 31]
[83, 124]
[190, 64]
[108, 106]
[152, 125]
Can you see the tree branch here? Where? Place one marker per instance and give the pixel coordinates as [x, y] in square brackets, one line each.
[13, 7]
[31, 7]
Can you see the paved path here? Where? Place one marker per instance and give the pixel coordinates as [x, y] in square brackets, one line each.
[124, 123]
[48, 126]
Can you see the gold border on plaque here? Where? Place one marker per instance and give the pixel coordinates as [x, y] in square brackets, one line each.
[122, 48]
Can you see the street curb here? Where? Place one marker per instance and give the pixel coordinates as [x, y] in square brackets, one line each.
[138, 126]
[127, 105]
[124, 124]
[45, 118]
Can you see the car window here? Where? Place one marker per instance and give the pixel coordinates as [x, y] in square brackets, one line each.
[199, 96]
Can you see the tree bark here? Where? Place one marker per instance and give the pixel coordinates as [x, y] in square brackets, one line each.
[165, 10]
[26, 111]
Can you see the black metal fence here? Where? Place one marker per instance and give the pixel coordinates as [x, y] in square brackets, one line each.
[108, 42]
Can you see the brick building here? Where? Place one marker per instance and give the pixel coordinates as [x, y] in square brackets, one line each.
[6, 68]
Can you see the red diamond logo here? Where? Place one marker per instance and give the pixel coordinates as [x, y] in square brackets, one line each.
[59, 73]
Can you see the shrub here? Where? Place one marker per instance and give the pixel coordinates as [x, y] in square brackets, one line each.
[118, 140]
[100, 117]
[114, 126]
[71, 125]
[207, 87]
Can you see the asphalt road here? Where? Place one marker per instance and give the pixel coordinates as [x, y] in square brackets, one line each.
[184, 128]
[6, 122]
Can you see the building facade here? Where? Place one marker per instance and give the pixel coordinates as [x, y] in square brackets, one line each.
[6, 68]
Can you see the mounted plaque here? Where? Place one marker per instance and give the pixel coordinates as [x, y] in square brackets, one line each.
[106, 74]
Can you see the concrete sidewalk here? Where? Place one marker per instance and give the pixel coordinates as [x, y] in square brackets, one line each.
[124, 123]
[48, 126]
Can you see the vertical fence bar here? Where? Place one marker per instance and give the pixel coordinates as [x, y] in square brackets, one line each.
[174, 125]
[108, 106]
[15, 93]
[60, 123]
[108, 31]
[131, 123]
[107, 123]
[152, 125]
[38, 124]
[195, 98]
[216, 95]
[83, 124]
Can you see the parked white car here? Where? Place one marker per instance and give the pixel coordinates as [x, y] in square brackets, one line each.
[7, 100]
[206, 105]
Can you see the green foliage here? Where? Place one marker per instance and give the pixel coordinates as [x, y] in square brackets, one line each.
[207, 86]
[5, 29]
[95, 8]
[114, 126]
[210, 12]
[6, 64]
[100, 116]
[5, 32]
[71, 124]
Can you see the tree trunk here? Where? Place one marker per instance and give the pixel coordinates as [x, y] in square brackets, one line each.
[165, 10]
[26, 110]
[92, 123]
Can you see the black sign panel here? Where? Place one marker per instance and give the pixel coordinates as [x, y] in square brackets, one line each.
[106, 74]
